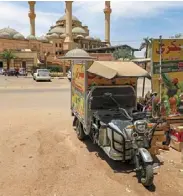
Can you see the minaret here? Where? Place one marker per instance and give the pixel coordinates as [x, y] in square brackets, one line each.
[68, 42]
[107, 12]
[32, 17]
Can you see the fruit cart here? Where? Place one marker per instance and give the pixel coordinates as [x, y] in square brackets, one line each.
[167, 81]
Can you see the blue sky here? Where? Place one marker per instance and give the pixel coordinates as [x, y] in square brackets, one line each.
[130, 21]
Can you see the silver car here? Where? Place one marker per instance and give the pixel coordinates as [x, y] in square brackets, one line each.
[42, 75]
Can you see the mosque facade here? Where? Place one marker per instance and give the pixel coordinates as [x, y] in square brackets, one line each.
[67, 33]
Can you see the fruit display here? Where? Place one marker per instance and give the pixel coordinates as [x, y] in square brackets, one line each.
[171, 95]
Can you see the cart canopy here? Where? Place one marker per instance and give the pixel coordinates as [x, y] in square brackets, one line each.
[111, 69]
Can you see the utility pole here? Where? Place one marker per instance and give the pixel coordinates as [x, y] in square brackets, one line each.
[160, 69]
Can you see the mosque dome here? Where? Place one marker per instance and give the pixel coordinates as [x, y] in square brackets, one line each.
[63, 18]
[78, 30]
[5, 35]
[31, 37]
[8, 30]
[54, 36]
[47, 36]
[89, 38]
[98, 39]
[58, 30]
[42, 38]
[78, 53]
[63, 35]
[18, 36]
[79, 36]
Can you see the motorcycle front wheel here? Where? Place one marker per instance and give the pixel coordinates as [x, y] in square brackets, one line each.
[147, 175]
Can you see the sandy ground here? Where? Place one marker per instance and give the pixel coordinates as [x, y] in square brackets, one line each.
[40, 154]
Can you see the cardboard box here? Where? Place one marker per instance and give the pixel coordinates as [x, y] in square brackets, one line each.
[176, 145]
[158, 138]
[173, 120]
[177, 131]
[154, 150]
[177, 126]
[163, 127]
[161, 146]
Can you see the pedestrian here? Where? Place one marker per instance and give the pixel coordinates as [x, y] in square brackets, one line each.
[17, 72]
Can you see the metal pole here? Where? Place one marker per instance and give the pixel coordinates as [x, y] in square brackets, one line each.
[160, 68]
[144, 80]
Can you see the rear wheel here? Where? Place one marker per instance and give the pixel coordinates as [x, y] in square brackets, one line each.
[79, 130]
[147, 175]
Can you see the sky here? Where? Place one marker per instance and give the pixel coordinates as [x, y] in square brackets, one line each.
[130, 21]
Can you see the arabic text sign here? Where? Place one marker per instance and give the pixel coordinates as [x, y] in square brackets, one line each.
[171, 50]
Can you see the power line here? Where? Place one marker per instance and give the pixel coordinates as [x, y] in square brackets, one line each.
[127, 41]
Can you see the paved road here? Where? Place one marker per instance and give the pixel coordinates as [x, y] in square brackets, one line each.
[40, 90]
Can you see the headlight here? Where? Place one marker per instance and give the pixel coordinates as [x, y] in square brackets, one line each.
[141, 126]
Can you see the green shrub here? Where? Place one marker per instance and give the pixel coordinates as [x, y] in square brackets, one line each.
[55, 68]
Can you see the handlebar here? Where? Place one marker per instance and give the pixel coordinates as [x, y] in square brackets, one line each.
[126, 114]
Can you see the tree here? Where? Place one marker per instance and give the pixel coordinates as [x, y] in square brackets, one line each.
[179, 35]
[46, 54]
[147, 45]
[8, 55]
[124, 53]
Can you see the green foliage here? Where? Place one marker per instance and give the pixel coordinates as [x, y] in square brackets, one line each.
[179, 35]
[56, 68]
[124, 53]
[147, 44]
[8, 55]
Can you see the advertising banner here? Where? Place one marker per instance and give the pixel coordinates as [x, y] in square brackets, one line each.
[172, 75]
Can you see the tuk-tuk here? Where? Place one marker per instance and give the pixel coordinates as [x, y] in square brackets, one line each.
[104, 106]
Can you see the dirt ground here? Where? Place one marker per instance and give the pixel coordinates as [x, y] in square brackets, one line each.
[40, 154]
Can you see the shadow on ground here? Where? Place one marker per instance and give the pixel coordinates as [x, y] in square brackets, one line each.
[118, 166]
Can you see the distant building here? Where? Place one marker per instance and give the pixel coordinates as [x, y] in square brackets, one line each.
[67, 33]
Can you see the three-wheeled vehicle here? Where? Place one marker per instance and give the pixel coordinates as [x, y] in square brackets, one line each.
[104, 106]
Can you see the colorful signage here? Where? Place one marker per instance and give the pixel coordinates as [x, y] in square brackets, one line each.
[78, 88]
[172, 75]
[171, 50]
[94, 80]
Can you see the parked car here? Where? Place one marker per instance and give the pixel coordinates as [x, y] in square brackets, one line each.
[22, 72]
[42, 75]
[1, 71]
[10, 72]
[69, 75]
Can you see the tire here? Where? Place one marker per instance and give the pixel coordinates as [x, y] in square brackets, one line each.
[147, 175]
[79, 131]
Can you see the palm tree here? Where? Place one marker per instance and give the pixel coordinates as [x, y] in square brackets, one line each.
[8, 55]
[147, 45]
[46, 54]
